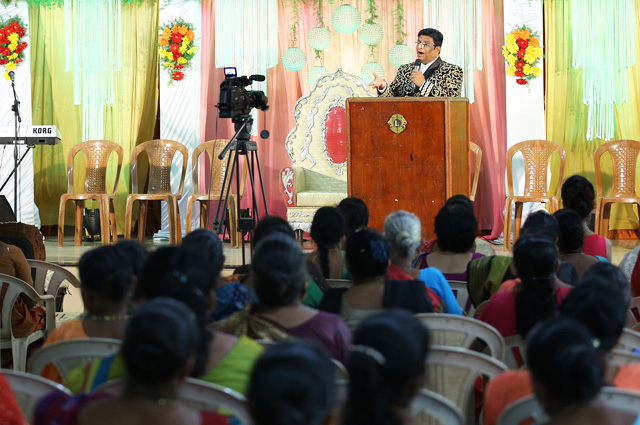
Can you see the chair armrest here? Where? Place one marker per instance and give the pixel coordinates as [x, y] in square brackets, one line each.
[292, 179]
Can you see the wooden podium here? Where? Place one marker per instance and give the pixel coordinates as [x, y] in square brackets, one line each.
[407, 154]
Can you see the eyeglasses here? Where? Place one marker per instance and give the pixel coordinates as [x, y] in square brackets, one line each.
[418, 44]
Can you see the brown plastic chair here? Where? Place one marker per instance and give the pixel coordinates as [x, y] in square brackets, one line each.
[160, 153]
[96, 156]
[537, 154]
[476, 174]
[624, 156]
[213, 148]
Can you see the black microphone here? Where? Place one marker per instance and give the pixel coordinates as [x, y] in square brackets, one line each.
[12, 76]
[416, 66]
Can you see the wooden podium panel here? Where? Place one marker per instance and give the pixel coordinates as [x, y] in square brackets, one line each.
[416, 169]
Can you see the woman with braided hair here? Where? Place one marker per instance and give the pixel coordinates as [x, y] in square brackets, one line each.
[328, 230]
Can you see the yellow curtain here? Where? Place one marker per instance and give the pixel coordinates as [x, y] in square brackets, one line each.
[129, 121]
[566, 114]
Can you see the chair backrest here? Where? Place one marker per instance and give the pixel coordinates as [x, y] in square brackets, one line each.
[634, 308]
[218, 167]
[427, 404]
[14, 289]
[68, 354]
[621, 358]
[514, 352]
[628, 340]
[198, 395]
[480, 308]
[537, 154]
[29, 388]
[529, 407]
[96, 158]
[624, 157]
[449, 330]
[160, 153]
[452, 372]
[476, 173]
[461, 291]
[49, 277]
[339, 283]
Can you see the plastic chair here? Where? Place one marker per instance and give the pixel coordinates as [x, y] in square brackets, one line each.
[452, 373]
[429, 404]
[198, 395]
[96, 156]
[624, 157]
[7, 339]
[476, 174]
[339, 283]
[480, 308]
[461, 291]
[515, 350]
[449, 330]
[68, 354]
[29, 389]
[50, 277]
[529, 407]
[218, 170]
[633, 313]
[160, 153]
[537, 154]
[628, 340]
[621, 358]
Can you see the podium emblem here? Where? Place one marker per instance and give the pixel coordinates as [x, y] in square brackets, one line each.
[397, 123]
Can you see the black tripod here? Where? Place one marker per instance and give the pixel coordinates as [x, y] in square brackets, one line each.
[240, 144]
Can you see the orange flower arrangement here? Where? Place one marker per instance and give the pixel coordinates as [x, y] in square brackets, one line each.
[522, 51]
[176, 48]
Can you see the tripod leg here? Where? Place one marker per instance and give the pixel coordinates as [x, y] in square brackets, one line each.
[264, 196]
[256, 213]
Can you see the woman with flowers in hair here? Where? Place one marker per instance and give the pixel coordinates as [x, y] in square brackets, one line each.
[367, 260]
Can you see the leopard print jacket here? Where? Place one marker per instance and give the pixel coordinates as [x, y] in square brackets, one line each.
[446, 81]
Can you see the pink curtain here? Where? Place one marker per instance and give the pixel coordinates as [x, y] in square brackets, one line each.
[349, 53]
[489, 122]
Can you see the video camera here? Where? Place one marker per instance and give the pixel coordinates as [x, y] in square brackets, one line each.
[235, 101]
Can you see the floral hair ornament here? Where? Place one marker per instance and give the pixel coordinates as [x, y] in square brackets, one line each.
[596, 343]
[379, 250]
[368, 351]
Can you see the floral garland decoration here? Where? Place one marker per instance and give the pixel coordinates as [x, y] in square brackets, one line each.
[11, 49]
[176, 48]
[522, 51]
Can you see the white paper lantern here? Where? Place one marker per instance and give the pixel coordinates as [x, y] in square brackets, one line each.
[316, 73]
[319, 38]
[293, 59]
[346, 19]
[371, 34]
[401, 54]
[366, 73]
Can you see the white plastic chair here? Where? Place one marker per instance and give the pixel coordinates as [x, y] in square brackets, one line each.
[198, 395]
[621, 358]
[628, 340]
[429, 404]
[7, 339]
[461, 292]
[529, 407]
[50, 277]
[514, 344]
[452, 372]
[30, 388]
[458, 331]
[68, 354]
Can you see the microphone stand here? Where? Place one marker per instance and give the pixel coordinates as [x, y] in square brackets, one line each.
[16, 162]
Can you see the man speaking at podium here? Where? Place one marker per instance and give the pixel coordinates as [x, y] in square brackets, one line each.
[427, 76]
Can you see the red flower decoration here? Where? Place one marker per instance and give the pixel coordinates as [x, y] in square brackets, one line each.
[521, 81]
[519, 73]
[522, 43]
[520, 64]
[6, 51]
[175, 48]
[520, 53]
[178, 75]
[177, 37]
[3, 61]
[14, 24]
[179, 66]
[18, 60]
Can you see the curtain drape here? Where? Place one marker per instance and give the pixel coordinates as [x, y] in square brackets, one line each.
[129, 121]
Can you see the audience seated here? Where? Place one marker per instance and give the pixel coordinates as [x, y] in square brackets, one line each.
[578, 195]
[536, 297]
[328, 230]
[183, 274]
[279, 275]
[367, 259]
[107, 277]
[630, 266]
[456, 228]
[606, 272]
[403, 233]
[599, 306]
[293, 383]
[571, 239]
[567, 373]
[27, 316]
[159, 351]
[10, 413]
[386, 369]
[231, 296]
[356, 214]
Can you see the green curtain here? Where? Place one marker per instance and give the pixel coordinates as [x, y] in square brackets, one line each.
[566, 114]
[129, 121]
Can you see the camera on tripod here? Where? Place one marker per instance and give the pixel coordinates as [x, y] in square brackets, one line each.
[235, 101]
